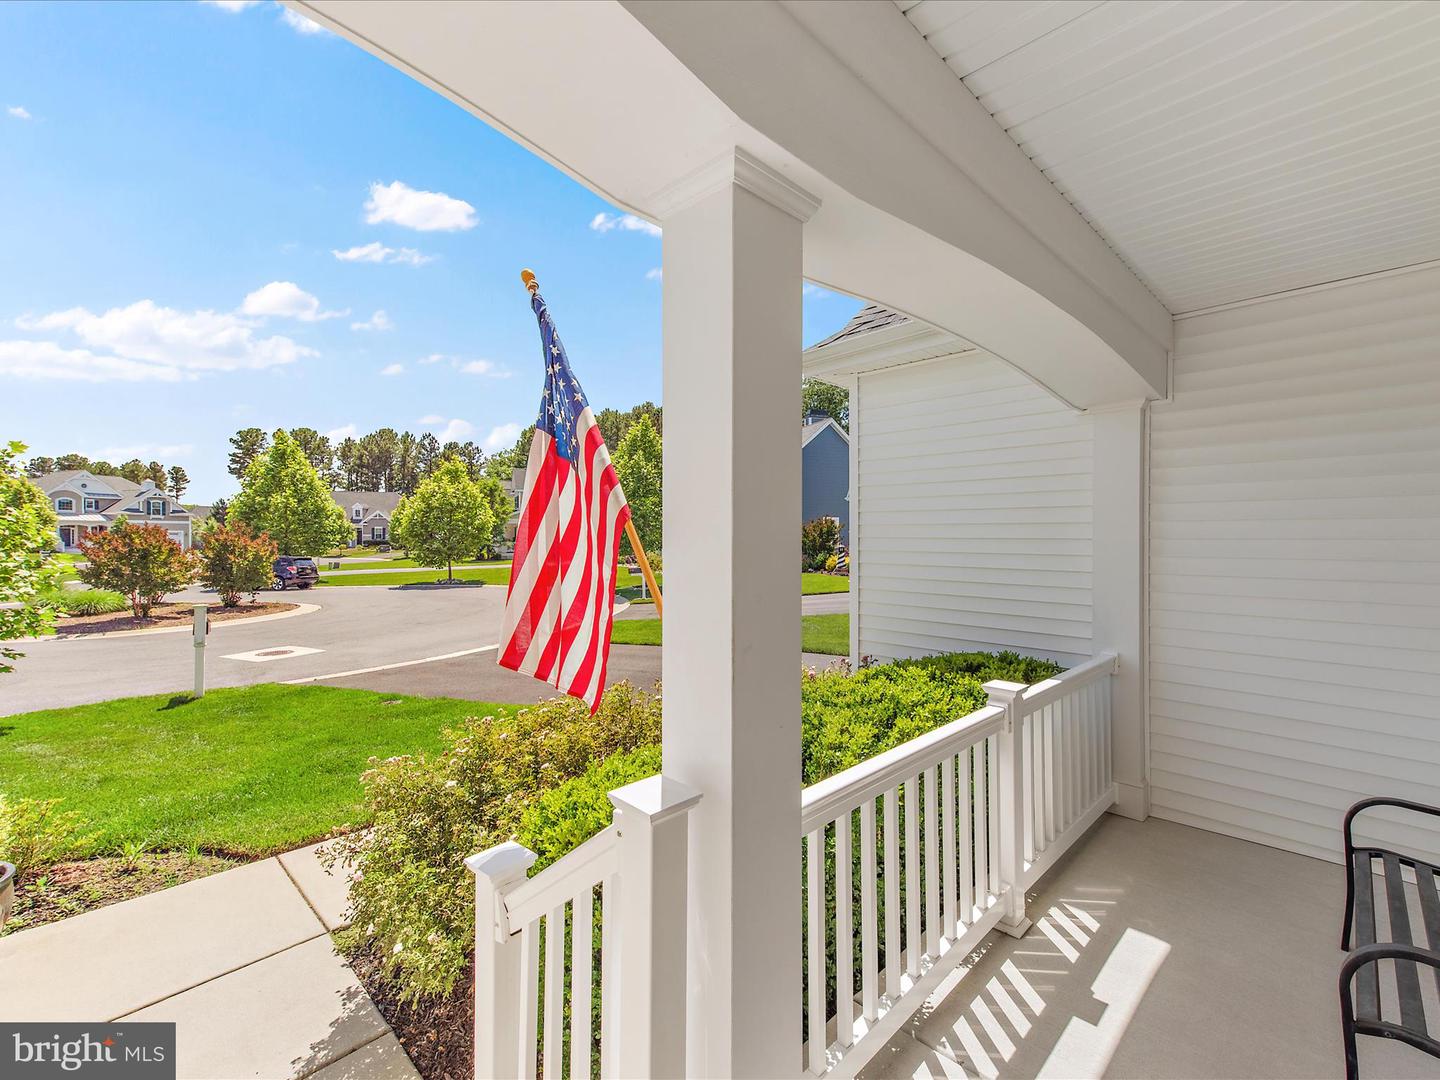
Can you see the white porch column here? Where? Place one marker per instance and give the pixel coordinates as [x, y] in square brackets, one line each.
[1118, 581]
[732, 341]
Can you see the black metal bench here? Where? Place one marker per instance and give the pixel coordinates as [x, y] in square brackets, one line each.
[1360, 1007]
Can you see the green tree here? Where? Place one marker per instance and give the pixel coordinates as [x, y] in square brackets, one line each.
[234, 561]
[347, 458]
[101, 468]
[639, 464]
[27, 534]
[156, 472]
[68, 462]
[219, 511]
[140, 561]
[179, 480]
[39, 466]
[821, 397]
[500, 508]
[134, 470]
[407, 464]
[248, 444]
[502, 463]
[615, 423]
[447, 520]
[283, 495]
[427, 455]
[317, 450]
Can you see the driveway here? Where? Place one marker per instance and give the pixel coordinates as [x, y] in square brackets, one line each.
[431, 641]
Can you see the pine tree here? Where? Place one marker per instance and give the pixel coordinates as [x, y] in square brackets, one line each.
[179, 480]
[249, 443]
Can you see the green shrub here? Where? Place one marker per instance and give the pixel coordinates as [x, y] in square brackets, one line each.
[818, 539]
[87, 601]
[35, 833]
[564, 817]
[412, 893]
[986, 667]
[832, 562]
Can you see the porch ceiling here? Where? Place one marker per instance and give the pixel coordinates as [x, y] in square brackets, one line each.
[1223, 150]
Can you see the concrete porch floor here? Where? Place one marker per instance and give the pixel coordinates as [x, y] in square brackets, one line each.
[1157, 951]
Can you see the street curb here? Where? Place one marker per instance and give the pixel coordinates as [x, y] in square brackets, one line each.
[300, 609]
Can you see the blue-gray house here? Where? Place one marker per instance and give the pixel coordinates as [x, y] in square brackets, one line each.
[825, 471]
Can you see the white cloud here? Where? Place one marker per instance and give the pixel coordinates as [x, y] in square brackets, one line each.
[147, 341]
[377, 252]
[19, 112]
[297, 22]
[449, 430]
[604, 223]
[502, 437]
[145, 451]
[657, 274]
[378, 321]
[47, 360]
[231, 6]
[433, 358]
[287, 300]
[427, 211]
[340, 434]
[393, 369]
[482, 367]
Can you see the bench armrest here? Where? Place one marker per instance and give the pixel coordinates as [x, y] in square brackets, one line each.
[1350, 815]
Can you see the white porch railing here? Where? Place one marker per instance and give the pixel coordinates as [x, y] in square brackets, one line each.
[951, 828]
[625, 999]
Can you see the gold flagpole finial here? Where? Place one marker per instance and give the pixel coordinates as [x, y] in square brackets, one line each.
[528, 278]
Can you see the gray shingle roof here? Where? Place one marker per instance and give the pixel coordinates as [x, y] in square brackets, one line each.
[383, 501]
[868, 319]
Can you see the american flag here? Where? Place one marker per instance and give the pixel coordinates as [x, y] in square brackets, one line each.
[561, 603]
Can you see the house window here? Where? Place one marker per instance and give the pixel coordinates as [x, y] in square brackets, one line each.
[356, 512]
[377, 532]
[65, 504]
[91, 504]
[155, 507]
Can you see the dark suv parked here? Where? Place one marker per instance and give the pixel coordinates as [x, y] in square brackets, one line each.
[296, 570]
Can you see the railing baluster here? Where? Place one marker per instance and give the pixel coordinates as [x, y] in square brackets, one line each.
[554, 1033]
[582, 928]
[1052, 775]
[844, 935]
[815, 953]
[609, 963]
[529, 998]
[869, 916]
[965, 797]
[981, 800]
[912, 879]
[1062, 817]
[1035, 723]
[892, 893]
[1024, 744]
[932, 867]
[948, 864]
[1105, 731]
[992, 794]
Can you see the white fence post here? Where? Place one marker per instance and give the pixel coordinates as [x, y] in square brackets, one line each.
[497, 962]
[1006, 695]
[652, 836]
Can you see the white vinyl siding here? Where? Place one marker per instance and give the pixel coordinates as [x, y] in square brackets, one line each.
[1295, 566]
[974, 513]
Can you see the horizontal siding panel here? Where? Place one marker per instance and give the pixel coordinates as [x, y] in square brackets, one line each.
[975, 513]
[1295, 566]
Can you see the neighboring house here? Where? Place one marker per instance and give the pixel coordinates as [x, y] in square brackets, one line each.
[85, 503]
[515, 491]
[825, 471]
[369, 514]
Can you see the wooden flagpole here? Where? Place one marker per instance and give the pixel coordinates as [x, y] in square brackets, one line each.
[528, 278]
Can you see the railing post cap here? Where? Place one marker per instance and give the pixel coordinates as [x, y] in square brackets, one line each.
[655, 798]
[1001, 692]
[503, 862]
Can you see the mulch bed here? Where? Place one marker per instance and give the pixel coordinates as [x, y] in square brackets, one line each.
[70, 888]
[162, 615]
[437, 1034]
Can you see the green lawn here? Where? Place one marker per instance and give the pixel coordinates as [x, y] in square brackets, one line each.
[252, 770]
[393, 564]
[811, 584]
[818, 633]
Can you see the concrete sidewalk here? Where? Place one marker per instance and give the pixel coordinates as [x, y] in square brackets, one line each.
[240, 961]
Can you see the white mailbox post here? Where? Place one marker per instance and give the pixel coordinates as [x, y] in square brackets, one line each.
[202, 627]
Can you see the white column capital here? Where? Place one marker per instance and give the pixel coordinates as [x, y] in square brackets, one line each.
[740, 169]
[654, 799]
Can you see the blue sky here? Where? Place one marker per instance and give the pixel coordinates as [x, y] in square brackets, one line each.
[176, 180]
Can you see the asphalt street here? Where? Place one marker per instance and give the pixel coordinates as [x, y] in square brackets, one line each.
[432, 641]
